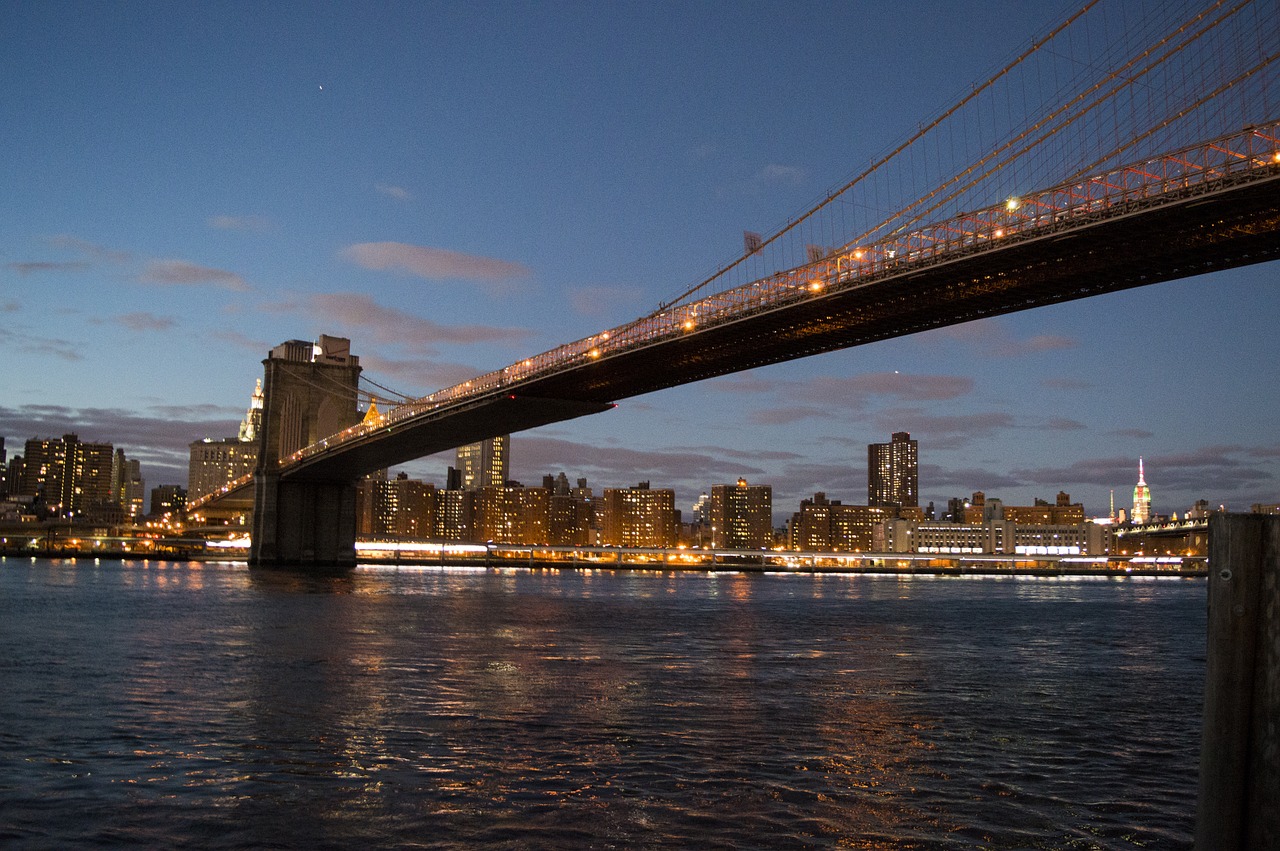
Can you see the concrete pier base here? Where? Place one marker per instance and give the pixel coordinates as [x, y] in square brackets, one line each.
[309, 525]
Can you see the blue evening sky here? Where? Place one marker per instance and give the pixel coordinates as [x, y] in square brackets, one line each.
[455, 186]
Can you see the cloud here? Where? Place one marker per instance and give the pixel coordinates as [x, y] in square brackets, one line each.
[779, 174]
[966, 480]
[29, 268]
[423, 372]
[183, 273]
[599, 301]
[1221, 470]
[431, 263]
[1064, 424]
[397, 192]
[98, 252]
[10, 307]
[827, 396]
[243, 223]
[146, 322]
[243, 341]
[1066, 384]
[158, 437]
[787, 415]
[857, 390]
[992, 337]
[1139, 433]
[62, 349]
[391, 326]
[622, 467]
[946, 431]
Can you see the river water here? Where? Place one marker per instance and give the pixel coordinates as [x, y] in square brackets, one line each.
[201, 705]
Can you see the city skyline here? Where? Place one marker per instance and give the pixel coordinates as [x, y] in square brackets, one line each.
[452, 199]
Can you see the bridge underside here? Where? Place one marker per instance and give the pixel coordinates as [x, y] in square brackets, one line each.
[453, 427]
[1234, 227]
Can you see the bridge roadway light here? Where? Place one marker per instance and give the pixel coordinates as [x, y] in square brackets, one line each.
[815, 286]
[1012, 204]
[688, 325]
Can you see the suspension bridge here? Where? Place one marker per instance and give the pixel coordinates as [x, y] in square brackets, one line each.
[1101, 158]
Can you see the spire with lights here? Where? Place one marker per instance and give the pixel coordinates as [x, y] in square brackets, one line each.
[253, 417]
[1141, 498]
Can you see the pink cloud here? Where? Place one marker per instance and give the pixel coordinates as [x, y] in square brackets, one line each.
[397, 192]
[431, 263]
[246, 223]
[992, 337]
[28, 268]
[146, 322]
[98, 252]
[183, 273]
[598, 301]
[858, 389]
[388, 325]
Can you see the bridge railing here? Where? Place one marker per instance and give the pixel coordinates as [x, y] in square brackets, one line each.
[1247, 155]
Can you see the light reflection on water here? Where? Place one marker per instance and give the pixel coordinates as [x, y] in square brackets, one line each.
[169, 704]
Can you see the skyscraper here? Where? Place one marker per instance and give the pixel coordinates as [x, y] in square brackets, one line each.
[72, 477]
[483, 464]
[741, 516]
[892, 472]
[214, 463]
[638, 517]
[1141, 498]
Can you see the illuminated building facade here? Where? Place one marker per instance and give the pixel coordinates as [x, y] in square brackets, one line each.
[483, 464]
[455, 510]
[512, 515]
[73, 478]
[741, 516]
[211, 464]
[168, 499]
[1141, 499]
[570, 520]
[823, 525]
[638, 517]
[996, 537]
[399, 507]
[893, 472]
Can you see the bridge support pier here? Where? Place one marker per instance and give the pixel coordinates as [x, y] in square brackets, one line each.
[303, 524]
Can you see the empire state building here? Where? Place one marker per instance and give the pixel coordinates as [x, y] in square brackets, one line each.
[1141, 498]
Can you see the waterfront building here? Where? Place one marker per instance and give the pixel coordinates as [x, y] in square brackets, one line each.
[483, 464]
[399, 507]
[168, 500]
[213, 464]
[127, 485]
[71, 477]
[995, 537]
[570, 520]
[13, 476]
[893, 472]
[741, 516]
[455, 510]
[980, 509]
[823, 525]
[512, 515]
[638, 517]
[1141, 499]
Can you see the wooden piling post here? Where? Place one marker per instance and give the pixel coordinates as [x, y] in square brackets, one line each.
[1239, 803]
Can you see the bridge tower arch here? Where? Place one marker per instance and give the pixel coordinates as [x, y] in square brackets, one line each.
[309, 393]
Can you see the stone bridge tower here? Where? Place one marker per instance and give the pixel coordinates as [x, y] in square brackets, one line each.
[309, 393]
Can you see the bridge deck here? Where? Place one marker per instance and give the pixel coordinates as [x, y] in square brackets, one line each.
[1236, 225]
